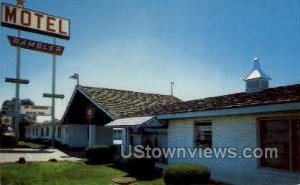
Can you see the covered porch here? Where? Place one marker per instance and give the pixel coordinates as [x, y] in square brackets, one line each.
[144, 131]
[83, 123]
[84, 135]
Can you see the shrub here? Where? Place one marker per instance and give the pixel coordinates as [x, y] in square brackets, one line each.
[186, 174]
[137, 165]
[21, 160]
[7, 141]
[52, 160]
[99, 154]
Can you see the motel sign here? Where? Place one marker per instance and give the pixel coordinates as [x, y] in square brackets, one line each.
[33, 21]
[17, 17]
[36, 45]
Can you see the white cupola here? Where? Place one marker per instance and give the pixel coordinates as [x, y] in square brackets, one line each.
[257, 80]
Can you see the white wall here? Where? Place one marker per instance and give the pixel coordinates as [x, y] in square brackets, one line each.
[64, 135]
[78, 135]
[239, 132]
[104, 135]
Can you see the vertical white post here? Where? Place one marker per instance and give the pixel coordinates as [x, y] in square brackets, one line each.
[92, 133]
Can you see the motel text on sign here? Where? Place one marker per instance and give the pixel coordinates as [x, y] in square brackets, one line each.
[33, 21]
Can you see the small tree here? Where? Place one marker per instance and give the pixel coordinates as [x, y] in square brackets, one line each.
[8, 108]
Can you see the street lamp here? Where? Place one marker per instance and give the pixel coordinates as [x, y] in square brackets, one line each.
[75, 76]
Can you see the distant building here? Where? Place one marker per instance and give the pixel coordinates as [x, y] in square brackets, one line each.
[43, 130]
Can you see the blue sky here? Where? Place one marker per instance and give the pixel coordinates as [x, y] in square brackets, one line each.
[205, 46]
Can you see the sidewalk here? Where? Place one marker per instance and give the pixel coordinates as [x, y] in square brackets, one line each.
[13, 155]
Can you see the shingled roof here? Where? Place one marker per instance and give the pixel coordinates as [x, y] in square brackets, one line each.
[278, 95]
[123, 103]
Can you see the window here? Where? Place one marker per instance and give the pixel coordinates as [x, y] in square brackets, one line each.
[47, 131]
[202, 135]
[88, 133]
[283, 134]
[59, 132]
[42, 132]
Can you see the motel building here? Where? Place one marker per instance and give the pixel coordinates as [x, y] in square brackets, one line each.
[261, 117]
[42, 131]
[91, 108]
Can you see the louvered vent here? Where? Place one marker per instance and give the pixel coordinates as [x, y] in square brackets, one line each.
[257, 80]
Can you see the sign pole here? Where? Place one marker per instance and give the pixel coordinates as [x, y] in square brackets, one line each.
[53, 98]
[17, 103]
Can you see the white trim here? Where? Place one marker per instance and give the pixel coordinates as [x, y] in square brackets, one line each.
[131, 122]
[234, 111]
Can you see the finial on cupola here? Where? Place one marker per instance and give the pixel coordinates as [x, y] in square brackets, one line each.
[257, 80]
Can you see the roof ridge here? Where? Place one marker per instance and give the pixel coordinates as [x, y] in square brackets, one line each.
[253, 93]
[276, 95]
[127, 91]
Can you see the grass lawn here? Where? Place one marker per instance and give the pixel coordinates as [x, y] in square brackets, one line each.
[62, 173]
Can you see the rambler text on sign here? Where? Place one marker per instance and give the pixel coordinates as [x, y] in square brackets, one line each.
[28, 20]
[36, 46]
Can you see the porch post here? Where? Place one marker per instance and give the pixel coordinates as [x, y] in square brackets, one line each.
[142, 136]
[128, 139]
[92, 134]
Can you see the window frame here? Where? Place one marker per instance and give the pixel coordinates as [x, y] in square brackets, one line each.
[290, 120]
[47, 131]
[42, 132]
[202, 123]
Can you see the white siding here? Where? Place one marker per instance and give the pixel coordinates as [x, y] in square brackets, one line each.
[104, 135]
[239, 132]
[78, 135]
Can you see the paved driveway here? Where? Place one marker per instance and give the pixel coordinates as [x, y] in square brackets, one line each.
[12, 155]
